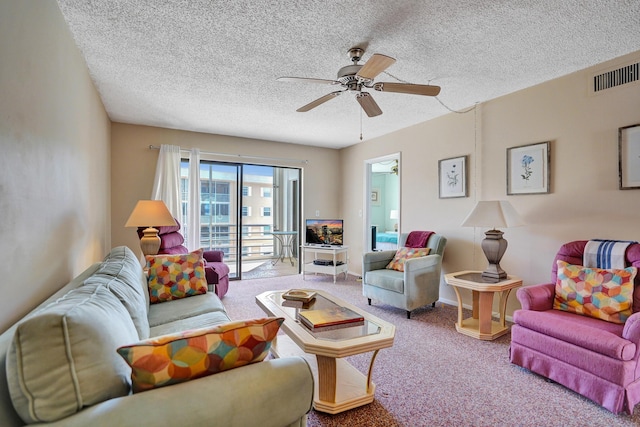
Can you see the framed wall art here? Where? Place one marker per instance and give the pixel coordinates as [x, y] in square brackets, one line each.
[629, 157]
[375, 197]
[528, 169]
[453, 177]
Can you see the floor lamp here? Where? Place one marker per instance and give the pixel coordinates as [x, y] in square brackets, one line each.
[150, 214]
[493, 213]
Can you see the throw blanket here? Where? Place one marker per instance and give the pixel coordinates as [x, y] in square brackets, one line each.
[418, 239]
[608, 254]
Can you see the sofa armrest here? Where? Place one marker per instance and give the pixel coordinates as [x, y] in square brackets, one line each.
[376, 260]
[213, 256]
[537, 297]
[631, 329]
[274, 393]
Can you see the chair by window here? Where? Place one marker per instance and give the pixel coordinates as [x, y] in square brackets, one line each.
[217, 272]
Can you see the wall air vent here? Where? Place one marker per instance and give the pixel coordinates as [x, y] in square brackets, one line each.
[617, 77]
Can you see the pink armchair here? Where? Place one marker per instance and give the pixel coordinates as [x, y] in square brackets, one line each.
[217, 272]
[595, 358]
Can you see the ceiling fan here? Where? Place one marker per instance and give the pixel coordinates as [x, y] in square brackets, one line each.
[354, 78]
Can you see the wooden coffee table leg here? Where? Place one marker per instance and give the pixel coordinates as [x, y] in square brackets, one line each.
[326, 378]
[373, 359]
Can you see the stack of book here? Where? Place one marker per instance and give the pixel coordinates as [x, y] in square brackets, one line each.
[330, 318]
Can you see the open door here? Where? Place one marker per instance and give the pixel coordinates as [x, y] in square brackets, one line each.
[382, 203]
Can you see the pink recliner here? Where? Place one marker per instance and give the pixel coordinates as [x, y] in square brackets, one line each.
[217, 272]
[595, 358]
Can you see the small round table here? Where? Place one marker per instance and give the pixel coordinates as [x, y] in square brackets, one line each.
[480, 325]
[286, 239]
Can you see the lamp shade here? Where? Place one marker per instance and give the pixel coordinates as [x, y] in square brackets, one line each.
[150, 213]
[493, 213]
[394, 214]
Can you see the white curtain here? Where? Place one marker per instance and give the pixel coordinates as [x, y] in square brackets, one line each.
[193, 206]
[166, 186]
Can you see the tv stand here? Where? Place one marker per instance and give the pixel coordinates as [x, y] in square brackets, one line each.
[338, 255]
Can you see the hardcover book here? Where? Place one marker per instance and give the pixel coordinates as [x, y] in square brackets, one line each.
[324, 319]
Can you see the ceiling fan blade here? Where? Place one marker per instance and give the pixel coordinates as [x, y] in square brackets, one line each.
[319, 101]
[368, 104]
[426, 90]
[307, 80]
[374, 66]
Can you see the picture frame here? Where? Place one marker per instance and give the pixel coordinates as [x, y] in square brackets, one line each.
[375, 197]
[452, 177]
[629, 157]
[528, 169]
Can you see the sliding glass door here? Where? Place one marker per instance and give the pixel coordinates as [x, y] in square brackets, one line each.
[251, 213]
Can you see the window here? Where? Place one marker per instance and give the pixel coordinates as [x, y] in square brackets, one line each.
[246, 191]
[266, 191]
[246, 211]
[266, 211]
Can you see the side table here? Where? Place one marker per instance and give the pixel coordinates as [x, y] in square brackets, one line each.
[480, 325]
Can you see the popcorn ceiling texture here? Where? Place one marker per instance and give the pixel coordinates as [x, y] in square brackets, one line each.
[211, 65]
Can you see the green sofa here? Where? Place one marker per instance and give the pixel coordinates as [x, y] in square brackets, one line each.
[62, 368]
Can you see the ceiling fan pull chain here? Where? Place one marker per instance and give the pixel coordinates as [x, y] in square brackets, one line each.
[360, 124]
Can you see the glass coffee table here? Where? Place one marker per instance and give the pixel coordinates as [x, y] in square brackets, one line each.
[339, 385]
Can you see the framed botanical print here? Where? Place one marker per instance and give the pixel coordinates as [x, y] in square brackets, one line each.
[528, 169]
[629, 157]
[453, 177]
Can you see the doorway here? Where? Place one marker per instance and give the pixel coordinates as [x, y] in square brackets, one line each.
[382, 203]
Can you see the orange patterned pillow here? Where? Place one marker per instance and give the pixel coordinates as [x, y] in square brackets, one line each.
[403, 254]
[595, 292]
[187, 355]
[176, 276]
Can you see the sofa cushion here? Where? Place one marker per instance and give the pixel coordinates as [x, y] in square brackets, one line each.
[586, 332]
[386, 279]
[122, 274]
[176, 276]
[403, 254]
[184, 308]
[187, 355]
[595, 292]
[64, 358]
[204, 320]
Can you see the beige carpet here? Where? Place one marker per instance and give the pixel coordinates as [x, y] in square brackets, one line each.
[434, 376]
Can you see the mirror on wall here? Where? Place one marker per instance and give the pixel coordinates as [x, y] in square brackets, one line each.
[382, 207]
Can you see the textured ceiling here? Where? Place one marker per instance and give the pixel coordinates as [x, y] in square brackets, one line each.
[211, 65]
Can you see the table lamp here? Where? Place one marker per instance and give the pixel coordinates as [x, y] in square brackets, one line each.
[493, 213]
[394, 214]
[150, 214]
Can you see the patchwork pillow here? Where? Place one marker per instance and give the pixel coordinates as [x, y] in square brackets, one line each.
[595, 292]
[176, 276]
[183, 356]
[403, 254]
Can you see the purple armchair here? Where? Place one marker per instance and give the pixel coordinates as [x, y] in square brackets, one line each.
[595, 358]
[217, 272]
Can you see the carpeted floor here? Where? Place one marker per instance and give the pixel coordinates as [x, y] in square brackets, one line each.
[434, 376]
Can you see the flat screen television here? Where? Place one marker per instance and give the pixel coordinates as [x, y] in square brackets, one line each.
[324, 232]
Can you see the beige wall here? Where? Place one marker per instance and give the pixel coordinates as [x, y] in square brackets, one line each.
[134, 165]
[584, 202]
[54, 166]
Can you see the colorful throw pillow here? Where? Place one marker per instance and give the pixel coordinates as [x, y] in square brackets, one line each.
[595, 292]
[403, 254]
[183, 356]
[176, 276]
